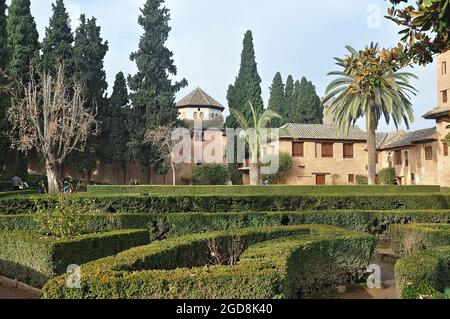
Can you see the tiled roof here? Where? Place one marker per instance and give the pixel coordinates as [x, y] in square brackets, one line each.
[198, 97]
[404, 139]
[437, 111]
[320, 132]
[216, 123]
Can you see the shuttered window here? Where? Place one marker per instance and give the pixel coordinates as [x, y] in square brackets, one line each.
[327, 150]
[445, 149]
[428, 153]
[398, 157]
[298, 149]
[348, 150]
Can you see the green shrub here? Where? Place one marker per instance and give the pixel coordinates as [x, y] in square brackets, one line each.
[260, 190]
[34, 260]
[387, 176]
[362, 180]
[285, 166]
[236, 203]
[65, 218]
[278, 262]
[425, 275]
[413, 238]
[210, 174]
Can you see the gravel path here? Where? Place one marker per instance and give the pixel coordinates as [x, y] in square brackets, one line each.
[14, 293]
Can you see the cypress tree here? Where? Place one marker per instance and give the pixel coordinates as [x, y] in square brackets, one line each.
[118, 137]
[289, 91]
[4, 101]
[152, 90]
[307, 107]
[276, 100]
[23, 48]
[88, 69]
[57, 45]
[247, 87]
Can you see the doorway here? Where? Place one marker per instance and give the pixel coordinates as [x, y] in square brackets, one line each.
[320, 179]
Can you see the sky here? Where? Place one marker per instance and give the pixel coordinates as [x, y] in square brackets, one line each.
[298, 37]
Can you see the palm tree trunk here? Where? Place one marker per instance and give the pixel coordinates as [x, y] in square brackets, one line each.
[372, 147]
[254, 174]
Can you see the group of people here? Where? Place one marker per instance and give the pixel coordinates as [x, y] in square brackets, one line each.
[18, 184]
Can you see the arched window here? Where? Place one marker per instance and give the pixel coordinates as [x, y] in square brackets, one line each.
[390, 160]
[202, 115]
[195, 115]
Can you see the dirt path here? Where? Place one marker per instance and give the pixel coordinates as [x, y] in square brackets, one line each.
[14, 293]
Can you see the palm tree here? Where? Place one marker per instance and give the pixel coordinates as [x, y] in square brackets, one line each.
[252, 132]
[370, 86]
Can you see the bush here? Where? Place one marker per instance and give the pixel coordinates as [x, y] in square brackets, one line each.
[34, 260]
[237, 203]
[425, 275]
[261, 190]
[210, 174]
[285, 166]
[362, 180]
[278, 262]
[413, 238]
[387, 176]
[65, 218]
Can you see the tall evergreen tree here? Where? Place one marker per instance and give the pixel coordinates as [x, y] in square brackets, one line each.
[88, 69]
[152, 90]
[4, 101]
[23, 48]
[289, 91]
[310, 108]
[57, 45]
[118, 136]
[247, 87]
[277, 100]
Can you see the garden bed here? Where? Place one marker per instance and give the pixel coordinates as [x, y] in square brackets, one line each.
[278, 262]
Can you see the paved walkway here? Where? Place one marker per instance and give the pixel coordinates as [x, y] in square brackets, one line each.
[14, 293]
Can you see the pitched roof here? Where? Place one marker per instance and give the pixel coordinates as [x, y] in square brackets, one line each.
[437, 112]
[405, 139]
[199, 98]
[320, 132]
[216, 123]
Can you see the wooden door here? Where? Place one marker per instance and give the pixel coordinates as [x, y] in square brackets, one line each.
[320, 179]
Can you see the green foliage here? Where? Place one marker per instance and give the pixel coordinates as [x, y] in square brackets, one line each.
[387, 176]
[285, 166]
[34, 260]
[210, 174]
[118, 137]
[361, 180]
[57, 45]
[247, 87]
[276, 262]
[308, 108]
[152, 90]
[413, 238]
[65, 218]
[5, 153]
[427, 30]
[235, 174]
[277, 100]
[425, 275]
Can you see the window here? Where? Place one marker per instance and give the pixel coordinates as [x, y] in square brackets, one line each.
[327, 150]
[377, 158]
[445, 145]
[398, 157]
[406, 158]
[445, 96]
[195, 115]
[428, 153]
[348, 150]
[413, 177]
[202, 115]
[444, 68]
[298, 149]
[351, 178]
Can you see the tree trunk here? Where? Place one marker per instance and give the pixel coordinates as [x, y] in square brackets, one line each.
[254, 174]
[372, 147]
[53, 178]
[174, 175]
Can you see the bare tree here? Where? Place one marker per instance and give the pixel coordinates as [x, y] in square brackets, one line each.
[164, 147]
[49, 116]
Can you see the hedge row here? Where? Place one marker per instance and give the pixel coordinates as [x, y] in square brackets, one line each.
[34, 260]
[425, 275]
[178, 224]
[258, 190]
[413, 238]
[279, 262]
[164, 204]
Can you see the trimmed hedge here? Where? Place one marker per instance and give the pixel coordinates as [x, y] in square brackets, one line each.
[34, 260]
[178, 224]
[167, 204]
[258, 190]
[425, 275]
[413, 238]
[278, 262]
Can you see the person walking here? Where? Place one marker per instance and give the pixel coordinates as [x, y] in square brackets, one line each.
[16, 182]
